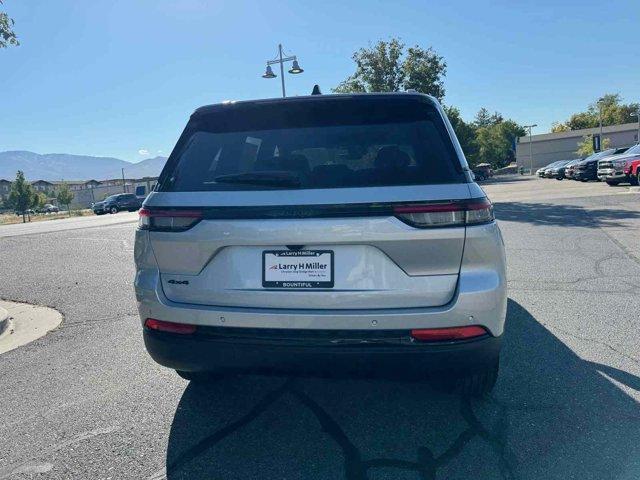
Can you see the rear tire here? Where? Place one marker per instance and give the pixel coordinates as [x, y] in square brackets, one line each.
[200, 377]
[635, 180]
[476, 383]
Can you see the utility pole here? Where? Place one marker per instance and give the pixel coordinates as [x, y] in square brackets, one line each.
[637, 114]
[124, 189]
[530, 149]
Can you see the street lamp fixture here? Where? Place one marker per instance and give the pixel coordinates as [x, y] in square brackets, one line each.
[295, 68]
[269, 73]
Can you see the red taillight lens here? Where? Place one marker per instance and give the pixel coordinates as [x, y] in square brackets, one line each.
[470, 212]
[170, 327]
[168, 220]
[144, 218]
[448, 334]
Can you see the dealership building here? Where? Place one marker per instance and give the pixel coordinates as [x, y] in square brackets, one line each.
[550, 147]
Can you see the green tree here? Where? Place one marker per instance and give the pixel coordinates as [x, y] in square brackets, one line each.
[488, 139]
[388, 67]
[494, 138]
[21, 196]
[7, 35]
[485, 119]
[39, 199]
[465, 132]
[614, 112]
[557, 127]
[65, 196]
[585, 147]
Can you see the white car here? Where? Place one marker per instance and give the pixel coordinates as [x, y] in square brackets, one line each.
[335, 233]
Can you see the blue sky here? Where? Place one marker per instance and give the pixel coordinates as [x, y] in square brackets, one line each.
[120, 78]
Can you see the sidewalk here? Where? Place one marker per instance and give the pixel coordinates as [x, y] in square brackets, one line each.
[21, 323]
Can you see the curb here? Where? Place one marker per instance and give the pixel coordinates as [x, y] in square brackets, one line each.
[4, 320]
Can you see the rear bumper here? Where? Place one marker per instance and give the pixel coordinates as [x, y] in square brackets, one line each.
[207, 351]
[480, 298]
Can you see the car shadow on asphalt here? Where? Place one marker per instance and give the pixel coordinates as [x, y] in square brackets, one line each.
[552, 415]
[556, 214]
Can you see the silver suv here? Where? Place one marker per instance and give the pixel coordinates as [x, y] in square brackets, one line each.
[329, 233]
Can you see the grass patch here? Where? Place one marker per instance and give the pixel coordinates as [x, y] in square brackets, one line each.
[11, 218]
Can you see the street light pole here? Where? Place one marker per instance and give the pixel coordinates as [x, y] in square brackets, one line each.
[281, 69]
[530, 149]
[295, 69]
[600, 120]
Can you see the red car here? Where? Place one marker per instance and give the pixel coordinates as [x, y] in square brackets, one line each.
[621, 168]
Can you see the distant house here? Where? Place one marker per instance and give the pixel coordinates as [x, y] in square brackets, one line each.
[74, 185]
[53, 186]
[43, 186]
[91, 183]
[111, 182]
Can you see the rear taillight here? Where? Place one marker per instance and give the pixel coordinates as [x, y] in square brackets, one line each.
[469, 212]
[169, 327]
[168, 220]
[448, 334]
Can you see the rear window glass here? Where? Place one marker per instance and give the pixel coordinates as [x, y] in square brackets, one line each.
[313, 144]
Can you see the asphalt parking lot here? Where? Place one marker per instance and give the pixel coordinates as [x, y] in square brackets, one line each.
[86, 401]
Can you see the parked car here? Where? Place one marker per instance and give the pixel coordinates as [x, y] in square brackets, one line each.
[289, 235]
[98, 208]
[482, 171]
[569, 169]
[48, 208]
[587, 169]
[541, 170]
[117, 203]
[622, 168]
[558, 171]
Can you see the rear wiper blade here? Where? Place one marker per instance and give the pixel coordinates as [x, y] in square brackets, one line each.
[270, 178]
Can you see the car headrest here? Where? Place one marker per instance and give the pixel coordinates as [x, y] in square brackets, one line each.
[391, 157]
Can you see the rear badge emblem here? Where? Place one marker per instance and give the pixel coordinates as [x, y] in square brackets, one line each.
[178, 282]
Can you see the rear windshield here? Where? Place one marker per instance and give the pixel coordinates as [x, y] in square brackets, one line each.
[313, 144]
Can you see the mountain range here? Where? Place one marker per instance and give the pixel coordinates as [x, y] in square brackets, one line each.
[63, 166]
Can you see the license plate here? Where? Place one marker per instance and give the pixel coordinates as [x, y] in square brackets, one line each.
[297, 269]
